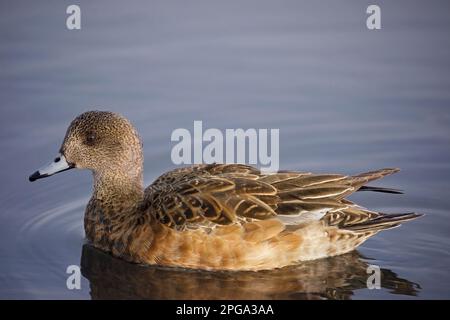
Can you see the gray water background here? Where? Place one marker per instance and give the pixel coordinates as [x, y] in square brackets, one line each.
[345, 99]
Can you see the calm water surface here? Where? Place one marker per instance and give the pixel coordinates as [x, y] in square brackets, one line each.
[344, 98]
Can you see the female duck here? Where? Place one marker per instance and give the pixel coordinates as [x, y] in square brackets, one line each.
[215, 216]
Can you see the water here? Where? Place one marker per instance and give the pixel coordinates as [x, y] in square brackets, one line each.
[345, 100]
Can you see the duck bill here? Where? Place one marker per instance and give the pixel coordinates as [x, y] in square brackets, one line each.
[60, 164]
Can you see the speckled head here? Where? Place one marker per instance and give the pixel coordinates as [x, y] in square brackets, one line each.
[101, 141]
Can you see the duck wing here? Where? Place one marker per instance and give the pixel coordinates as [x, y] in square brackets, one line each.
[207, 195]
[204, 196]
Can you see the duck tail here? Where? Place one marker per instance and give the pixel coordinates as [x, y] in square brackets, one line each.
[380, 189]
[361, 179]
[383, 222]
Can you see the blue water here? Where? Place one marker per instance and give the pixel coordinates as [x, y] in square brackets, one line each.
[345, 99]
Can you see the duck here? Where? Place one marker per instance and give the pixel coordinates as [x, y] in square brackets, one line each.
[218, 216]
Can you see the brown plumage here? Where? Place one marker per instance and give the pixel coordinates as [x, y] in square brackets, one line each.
[212, 216]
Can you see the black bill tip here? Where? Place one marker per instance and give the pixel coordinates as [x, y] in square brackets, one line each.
[36, 175]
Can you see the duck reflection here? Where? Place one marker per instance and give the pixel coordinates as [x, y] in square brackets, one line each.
[332, 278]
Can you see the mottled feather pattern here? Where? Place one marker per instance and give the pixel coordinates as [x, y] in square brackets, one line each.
[239, 203]
[224, 193]
[214, 216]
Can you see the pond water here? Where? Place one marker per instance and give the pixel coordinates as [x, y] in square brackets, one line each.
[345, 99]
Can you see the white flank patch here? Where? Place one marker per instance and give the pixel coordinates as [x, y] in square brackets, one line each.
[303, 217]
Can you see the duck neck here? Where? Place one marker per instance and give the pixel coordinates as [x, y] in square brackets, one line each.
[118, 189]
[113, 210]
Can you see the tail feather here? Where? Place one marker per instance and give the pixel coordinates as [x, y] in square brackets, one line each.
[376, 174]
[361, 179]
[383, 222]
[380, 189]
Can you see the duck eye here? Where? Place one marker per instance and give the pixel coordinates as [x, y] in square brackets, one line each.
[90, 138]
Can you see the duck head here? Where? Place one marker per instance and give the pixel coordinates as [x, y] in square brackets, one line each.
[104, 142]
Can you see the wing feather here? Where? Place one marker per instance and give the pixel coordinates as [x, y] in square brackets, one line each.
[220, 194]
